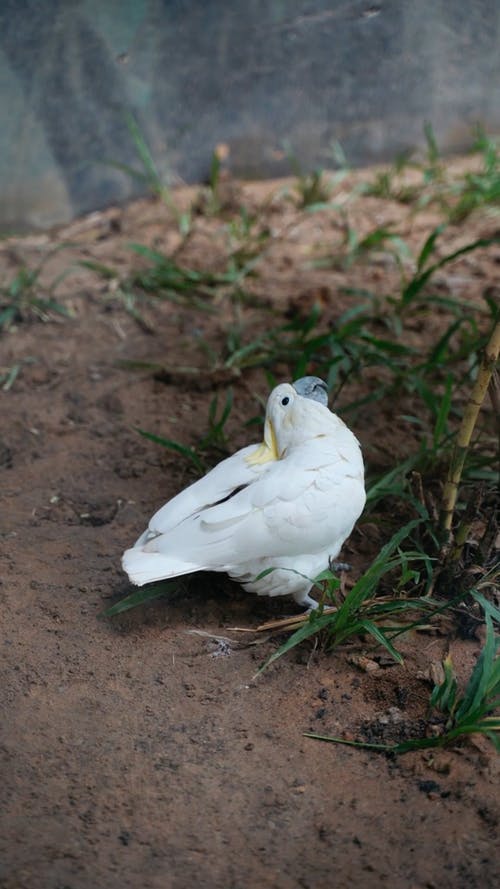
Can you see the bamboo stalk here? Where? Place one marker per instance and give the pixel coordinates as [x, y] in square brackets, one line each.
[478, 394]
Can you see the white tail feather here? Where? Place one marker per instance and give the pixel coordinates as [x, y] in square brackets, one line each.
[144, 567]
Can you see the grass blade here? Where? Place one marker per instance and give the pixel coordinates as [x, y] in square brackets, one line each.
[368, 582]
[403, 747]
[419, 281]
[314, 625]
[478, 685]
[175, 446]
[147, 593]
[488, 607]
[380, 637]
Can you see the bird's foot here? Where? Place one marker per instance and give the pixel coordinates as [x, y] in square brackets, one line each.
[335, 567]
[308, 603]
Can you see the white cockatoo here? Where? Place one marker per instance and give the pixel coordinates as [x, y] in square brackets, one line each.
[287, 504]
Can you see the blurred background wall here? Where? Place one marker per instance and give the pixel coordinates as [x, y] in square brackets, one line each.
[251, 74]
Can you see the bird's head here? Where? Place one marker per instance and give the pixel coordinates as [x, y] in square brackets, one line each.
[291, 412]
[292, 418]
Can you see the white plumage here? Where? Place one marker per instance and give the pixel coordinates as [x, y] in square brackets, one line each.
[287, 504]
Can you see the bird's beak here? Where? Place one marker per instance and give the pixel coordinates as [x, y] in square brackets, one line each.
[270, 439]
[268, 450]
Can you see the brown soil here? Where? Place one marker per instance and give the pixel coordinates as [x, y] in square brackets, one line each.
[135, 752]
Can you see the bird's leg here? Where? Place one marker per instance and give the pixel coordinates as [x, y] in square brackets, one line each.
[306, 601]
[335, 567]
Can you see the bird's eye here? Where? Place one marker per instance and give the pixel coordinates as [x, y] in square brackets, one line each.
[284, 401]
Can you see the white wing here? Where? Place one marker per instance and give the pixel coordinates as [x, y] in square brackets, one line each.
[299, 505]
[216, 485]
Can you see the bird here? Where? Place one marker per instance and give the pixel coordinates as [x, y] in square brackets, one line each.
[272, 516]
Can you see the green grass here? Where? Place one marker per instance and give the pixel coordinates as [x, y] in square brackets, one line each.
[148, 175]
[9, 375]
[148, 593]
[372, 334]
[457, 196]
[24, 296]
[210, 200]
[479, 190]
[421, 382]
[311, 189]
[213, 443]
[459, 714]
[425, 377]
[373, 362]
[169, 444]
[426, 268]
[314, 190]
[360, 612]
[160, 277]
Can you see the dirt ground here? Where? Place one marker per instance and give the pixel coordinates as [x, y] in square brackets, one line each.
[135, 751]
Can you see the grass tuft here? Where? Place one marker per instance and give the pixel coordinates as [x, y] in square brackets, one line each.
[360, 612]
[411, 352]
[24, 296]
[458, 715]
